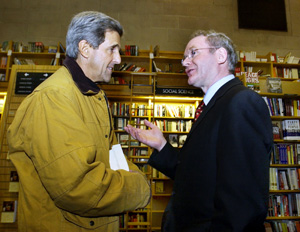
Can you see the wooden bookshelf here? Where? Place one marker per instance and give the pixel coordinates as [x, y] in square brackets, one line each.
[134, 97]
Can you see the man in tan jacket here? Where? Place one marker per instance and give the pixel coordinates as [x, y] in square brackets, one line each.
[61, 137]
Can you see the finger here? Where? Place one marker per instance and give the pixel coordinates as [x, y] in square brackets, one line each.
[149, 124]
[133, 133]
[139, 136]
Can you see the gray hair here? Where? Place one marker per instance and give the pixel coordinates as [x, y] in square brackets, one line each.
[90, 26]
[218, 40]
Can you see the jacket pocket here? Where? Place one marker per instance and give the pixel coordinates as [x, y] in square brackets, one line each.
[90, 223]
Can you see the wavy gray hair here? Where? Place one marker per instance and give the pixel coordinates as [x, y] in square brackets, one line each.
[90, 26]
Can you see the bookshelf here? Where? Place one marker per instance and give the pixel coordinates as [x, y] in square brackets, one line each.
[284, 210]
[159, 94]
[144, 95]
[12, 53]
[8, 189]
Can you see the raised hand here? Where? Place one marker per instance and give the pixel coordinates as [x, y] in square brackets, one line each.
[153, 137]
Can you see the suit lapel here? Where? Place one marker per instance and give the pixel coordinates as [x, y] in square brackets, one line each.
[218, 94]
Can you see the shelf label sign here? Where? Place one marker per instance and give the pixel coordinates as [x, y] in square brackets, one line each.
[26, 82]
[179, 91]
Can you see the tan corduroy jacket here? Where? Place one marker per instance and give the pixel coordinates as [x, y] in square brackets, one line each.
[59, 142]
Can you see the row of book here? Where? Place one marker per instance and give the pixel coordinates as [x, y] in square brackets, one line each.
[289, 58]
[138, 151]
[282, 106]
[120, 123]
[169, 110]
[160, 110]
[288, 129]
[123, 109]
[284, 205]
[131, 50]
[120, 109]
[282, 226]
[30, 47]
[20, 61]
[285, 153]
[174, 125]
[273, 57]
[247, 55]
[284, 179]
[139, 160]
[141, 109]
[129, 67]
[134, 219]
[117, 81]
[283, 72]
[125, 140]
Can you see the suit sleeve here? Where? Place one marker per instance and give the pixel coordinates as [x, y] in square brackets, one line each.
[243, 151]
[165, 161]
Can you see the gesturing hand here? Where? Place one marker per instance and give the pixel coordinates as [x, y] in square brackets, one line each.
[153, 137]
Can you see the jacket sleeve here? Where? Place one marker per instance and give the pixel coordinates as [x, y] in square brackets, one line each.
[243, 153]
[165, 161]
[63, 153]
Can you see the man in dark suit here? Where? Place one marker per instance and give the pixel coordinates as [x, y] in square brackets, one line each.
[221, 174]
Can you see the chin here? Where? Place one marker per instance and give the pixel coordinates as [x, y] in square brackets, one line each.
[190, 82]
[106, 79]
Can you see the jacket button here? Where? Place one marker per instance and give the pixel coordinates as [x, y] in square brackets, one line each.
[92, 223]
[106, 136]
[99, 98]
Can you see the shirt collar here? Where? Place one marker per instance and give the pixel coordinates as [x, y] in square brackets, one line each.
[84, 84]
[215, 87]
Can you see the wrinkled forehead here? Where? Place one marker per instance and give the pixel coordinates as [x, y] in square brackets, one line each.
[197, 42]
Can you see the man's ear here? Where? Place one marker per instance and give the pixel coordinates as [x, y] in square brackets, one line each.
[83, 47]
[222, 55]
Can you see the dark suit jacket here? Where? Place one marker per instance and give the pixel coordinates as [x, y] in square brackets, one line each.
[221, 174]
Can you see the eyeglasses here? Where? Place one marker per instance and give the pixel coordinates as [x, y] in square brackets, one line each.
[193, 52]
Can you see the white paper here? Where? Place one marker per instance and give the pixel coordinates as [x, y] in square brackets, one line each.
[117, 158]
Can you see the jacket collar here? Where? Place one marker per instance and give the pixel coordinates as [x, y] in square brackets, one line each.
[84, 84]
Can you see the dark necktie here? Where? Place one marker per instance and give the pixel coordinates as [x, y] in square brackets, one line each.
[199, 110]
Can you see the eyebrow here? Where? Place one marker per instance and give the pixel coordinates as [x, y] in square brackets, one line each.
[114, 46]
